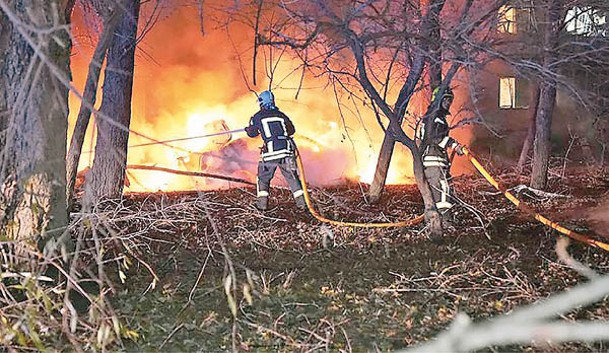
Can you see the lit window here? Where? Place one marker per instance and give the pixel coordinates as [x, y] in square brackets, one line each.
[507, 92]
[513, 93]
[507, 20]
[585, 21]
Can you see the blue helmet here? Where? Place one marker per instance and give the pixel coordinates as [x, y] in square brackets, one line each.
[266, 100]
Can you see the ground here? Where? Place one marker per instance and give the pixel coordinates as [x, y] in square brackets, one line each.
[300, 285]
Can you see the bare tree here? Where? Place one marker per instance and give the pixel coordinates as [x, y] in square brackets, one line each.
[547, 96]
[572, 60]
[108, 171]
[429, 38]
[583, 63]
[378, 52]
[110, 16]
[35, 47]
[37, 248]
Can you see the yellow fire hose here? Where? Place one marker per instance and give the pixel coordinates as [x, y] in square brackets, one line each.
[408, 223]
[418, 219]
[579, 237]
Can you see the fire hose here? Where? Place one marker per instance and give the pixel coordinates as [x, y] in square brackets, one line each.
[418, 219]
[571, 234]
[314, 213]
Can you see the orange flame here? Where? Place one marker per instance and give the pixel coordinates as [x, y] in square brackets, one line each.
[187, 85]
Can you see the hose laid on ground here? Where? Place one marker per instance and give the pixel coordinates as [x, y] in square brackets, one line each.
[571, 234]
[418, 219]
[407, 223]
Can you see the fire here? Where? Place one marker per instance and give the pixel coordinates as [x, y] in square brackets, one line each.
[366, 174]
[193, 86]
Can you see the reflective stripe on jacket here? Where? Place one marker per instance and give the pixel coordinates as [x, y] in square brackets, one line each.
[276, 130]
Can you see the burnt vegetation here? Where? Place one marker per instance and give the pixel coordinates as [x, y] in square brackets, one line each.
[87, 264]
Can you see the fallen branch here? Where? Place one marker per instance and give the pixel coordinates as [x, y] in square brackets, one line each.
[171, 334]
[563, 255]
[528, 324]
[189, 173]
[536, 192]
[524, 188]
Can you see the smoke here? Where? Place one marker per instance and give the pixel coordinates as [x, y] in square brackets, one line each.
[185, 81]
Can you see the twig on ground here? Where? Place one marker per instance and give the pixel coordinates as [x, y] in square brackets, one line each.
[563, 255]
[171, 334]
[527, 325]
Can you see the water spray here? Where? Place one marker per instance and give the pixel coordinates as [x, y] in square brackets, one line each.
[190, 138]
[166, 142]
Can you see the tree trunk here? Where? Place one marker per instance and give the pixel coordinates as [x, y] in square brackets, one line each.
[432, 216]
[434, 64]
[528, 141]
[34, 105]
[388, 145]
[434, 61]
[430, 27]
[89, 98]
[108, 172]
[382, 168]
[541, 149]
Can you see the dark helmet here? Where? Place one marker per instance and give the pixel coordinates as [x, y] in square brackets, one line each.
[266, 100]
[448, 93]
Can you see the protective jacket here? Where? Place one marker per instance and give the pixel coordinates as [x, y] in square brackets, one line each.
[276, 130]
[435, 139]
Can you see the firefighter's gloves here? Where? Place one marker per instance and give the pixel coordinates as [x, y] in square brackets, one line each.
[459, 149]
[250, 130]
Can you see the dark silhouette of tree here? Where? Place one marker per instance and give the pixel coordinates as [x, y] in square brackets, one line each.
[110, 17]
[428, 50]
[547, 95]
[34, 47]
[108, 171]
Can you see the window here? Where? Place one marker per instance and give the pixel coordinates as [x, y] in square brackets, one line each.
[513, 93]
[507, 20]
[516, 20]
[586, 21]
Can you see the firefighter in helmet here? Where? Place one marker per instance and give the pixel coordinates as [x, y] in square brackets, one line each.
[276, 130]
[434, 144]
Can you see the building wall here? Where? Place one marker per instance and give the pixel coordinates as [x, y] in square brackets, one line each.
[571, 125]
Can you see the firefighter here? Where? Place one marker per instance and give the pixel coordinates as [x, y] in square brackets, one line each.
[434, 144]
[276, 130]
